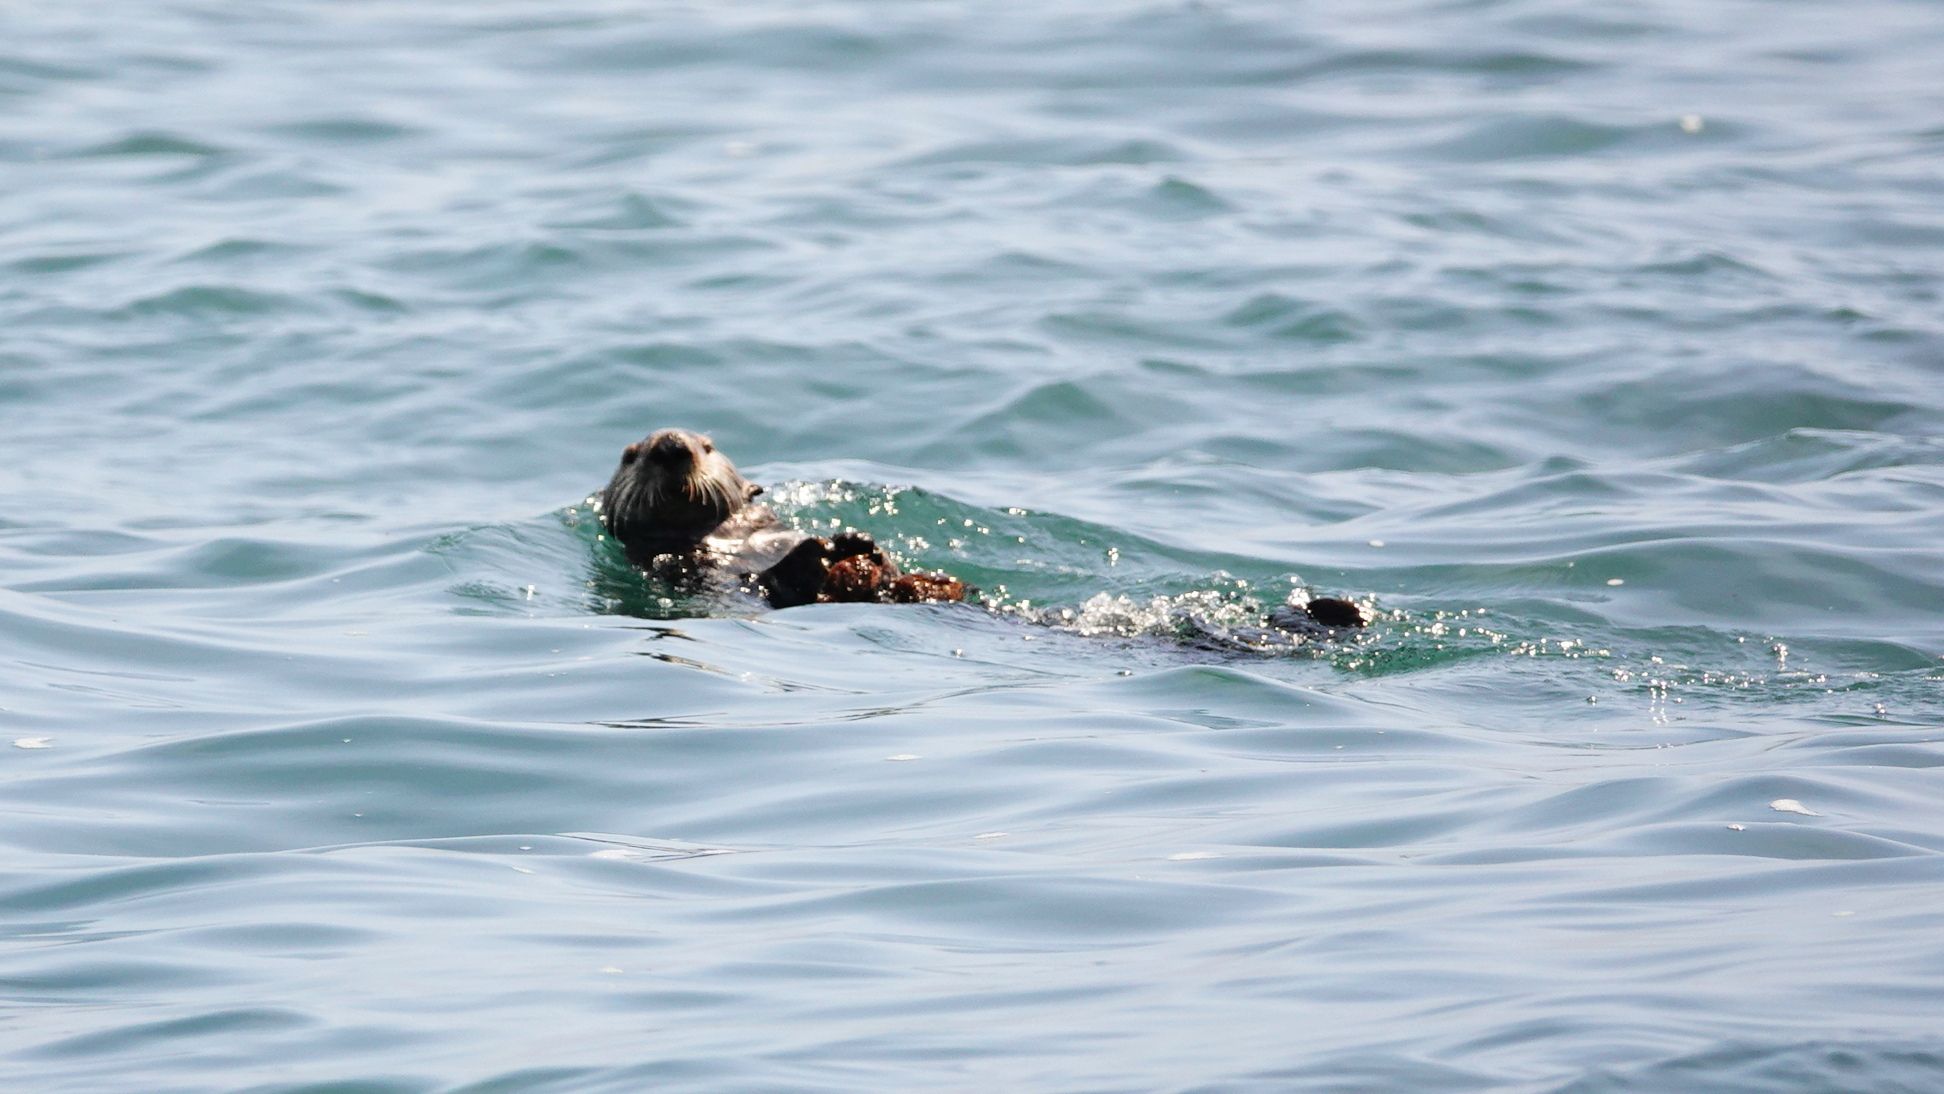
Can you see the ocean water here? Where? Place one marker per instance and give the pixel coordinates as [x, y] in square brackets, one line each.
[1600, 350]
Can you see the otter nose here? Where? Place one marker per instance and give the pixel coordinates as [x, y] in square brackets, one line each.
[669, 449]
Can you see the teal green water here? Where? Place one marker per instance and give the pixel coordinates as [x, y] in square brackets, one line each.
[1601, 351]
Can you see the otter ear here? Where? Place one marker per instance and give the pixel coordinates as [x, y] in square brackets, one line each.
[751, 491]
[629, 453]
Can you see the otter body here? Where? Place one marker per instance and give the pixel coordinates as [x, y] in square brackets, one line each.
[680, 508]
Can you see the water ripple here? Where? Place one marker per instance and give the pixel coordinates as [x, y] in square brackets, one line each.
[1593, 351]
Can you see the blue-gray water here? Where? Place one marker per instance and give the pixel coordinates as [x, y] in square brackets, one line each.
[1601, 348]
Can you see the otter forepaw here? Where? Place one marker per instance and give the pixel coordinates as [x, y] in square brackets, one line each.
[798, 577]
[1335, 611]
[1321, 617]
[853, 543]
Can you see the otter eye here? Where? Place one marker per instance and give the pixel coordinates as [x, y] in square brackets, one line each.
[708, 446]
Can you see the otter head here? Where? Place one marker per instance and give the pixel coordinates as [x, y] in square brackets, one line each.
[672, 489]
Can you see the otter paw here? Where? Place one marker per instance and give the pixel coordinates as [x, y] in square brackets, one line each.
[853, 543]
[798, 577]
[1335, 611]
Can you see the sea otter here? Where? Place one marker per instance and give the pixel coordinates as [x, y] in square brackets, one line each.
[680, 508]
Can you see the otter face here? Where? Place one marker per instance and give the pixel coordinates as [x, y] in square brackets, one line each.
[672, 489]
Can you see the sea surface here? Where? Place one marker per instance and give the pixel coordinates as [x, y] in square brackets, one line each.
[1597, 349]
